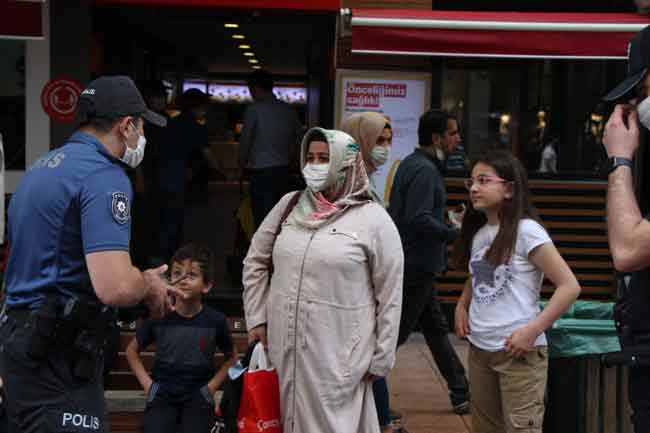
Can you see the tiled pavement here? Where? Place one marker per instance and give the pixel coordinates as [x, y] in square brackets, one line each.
[419, 392]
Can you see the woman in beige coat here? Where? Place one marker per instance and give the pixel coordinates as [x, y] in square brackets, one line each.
[327, 291]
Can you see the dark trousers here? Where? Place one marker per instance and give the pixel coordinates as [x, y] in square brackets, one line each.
[170, 229]
[420, 306]
[167, 415]
[42, 395]
[268, 185]
[639, 393]
[380, 391]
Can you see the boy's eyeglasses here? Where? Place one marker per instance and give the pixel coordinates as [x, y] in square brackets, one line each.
[483, 180]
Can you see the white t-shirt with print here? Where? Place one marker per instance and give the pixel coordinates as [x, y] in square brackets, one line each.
[504, 298]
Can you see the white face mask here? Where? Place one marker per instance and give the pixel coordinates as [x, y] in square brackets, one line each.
[643, 109]
[380, 155]
[316, 176]
[133, 157]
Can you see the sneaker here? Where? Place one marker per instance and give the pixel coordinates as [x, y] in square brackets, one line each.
[459, 404]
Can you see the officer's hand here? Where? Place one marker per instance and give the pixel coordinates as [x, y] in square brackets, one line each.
[621, 136]
[160, 298]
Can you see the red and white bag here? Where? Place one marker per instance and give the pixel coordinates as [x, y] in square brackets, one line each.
[259, 410]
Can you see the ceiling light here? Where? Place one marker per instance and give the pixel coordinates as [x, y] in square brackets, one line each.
[256, 67]
[238, 36]
[249, 54]
[252, 61]
[245, 47]
[231, 26]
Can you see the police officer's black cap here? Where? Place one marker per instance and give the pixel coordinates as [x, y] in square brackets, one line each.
[638, 64]
[111, 97]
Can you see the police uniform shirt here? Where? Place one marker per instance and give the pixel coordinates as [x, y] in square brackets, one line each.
[73, 201]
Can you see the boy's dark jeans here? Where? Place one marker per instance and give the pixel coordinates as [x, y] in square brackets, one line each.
[420, 306]
[165, 414]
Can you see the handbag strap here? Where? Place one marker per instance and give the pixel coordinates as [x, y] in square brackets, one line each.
[292, 204]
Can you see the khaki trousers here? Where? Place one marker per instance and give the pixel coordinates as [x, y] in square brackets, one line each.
[507, 394]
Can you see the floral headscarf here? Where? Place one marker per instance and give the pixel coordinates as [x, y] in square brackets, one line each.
[347, 178]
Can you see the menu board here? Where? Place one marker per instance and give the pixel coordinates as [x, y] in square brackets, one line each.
[239, 94]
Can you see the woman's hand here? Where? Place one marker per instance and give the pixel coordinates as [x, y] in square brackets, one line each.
[257, 333]
[369, 377]
[461, 321]
[521, 341]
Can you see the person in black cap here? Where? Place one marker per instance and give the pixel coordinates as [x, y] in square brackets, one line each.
[69, 228]
[628, 230]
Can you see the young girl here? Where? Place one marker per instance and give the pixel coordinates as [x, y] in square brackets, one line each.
[508, 252]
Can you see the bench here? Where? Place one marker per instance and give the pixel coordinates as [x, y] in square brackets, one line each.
[125, 399]
[574, 214]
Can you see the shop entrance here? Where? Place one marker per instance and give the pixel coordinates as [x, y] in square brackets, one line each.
[214, 50]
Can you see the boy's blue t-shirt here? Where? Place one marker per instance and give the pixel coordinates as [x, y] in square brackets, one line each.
[185, 349]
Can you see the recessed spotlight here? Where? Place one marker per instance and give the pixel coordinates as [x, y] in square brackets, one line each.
[252, 61]
[256, 67]
[231, 25]
[249, 54]
[245, 47]
[238, 36]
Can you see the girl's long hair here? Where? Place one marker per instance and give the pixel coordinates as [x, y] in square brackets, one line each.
[512, 211]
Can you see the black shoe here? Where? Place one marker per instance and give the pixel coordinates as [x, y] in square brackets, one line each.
[459, 403]
[393, 414]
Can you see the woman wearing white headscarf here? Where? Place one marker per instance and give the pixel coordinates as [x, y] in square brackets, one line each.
[327, 291]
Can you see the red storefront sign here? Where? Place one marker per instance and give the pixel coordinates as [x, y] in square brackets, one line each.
[20, 20]
[307, 5]
[494, 34]
[59, 98]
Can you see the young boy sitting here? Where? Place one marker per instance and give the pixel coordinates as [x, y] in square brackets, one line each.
[183, 381]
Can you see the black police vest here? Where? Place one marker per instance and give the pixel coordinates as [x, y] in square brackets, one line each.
[632, 311]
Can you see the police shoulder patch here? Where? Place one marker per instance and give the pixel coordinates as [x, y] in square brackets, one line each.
[120, 207]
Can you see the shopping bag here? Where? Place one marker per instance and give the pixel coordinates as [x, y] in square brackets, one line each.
[259, 409]
[228, 409]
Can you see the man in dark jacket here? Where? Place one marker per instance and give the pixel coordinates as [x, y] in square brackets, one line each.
[417, 205]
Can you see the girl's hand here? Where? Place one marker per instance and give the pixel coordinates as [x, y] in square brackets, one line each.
[461, 321]
[521, 341]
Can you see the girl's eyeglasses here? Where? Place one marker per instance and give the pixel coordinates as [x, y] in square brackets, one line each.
[483, 180]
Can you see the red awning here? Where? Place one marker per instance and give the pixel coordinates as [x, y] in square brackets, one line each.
[21, 19]
[494, 34]
[304, 5]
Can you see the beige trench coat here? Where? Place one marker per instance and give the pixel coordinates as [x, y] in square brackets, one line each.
[332, 311]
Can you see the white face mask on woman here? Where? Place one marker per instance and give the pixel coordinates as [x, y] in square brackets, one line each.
[380, 155]
[133, 157]
[316, 176]
[643, 109]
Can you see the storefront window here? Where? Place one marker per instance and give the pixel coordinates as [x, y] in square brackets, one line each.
[548, 112]
[12, 102]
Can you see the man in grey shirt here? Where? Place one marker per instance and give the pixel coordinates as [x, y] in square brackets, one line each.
[268, 142]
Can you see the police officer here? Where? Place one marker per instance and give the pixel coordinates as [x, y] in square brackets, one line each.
[69, 229]
[629, 231]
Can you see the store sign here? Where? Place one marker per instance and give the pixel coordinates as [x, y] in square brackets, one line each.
[59, 98]
[401, 97]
